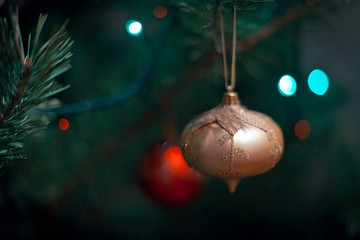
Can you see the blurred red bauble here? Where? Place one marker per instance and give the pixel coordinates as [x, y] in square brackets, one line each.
[166, 178]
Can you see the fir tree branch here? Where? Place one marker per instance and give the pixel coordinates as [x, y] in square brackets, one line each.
[26, 81]
[19, 92]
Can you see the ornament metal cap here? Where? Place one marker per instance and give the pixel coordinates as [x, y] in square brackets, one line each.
[230, 98]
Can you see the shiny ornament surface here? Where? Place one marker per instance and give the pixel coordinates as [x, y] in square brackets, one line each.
[166, 178]
[232, 142]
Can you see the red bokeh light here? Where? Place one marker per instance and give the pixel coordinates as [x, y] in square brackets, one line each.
[63, 124]
[175, 161]
[302, 129]
[166, 178]
[160, 12]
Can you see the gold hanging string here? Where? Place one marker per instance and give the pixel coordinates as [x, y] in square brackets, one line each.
[224, 50]
[229, 87]
[233, 64]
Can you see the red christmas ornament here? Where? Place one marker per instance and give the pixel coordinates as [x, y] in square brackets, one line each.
[166, 178]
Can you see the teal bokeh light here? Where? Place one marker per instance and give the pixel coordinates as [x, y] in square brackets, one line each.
[133, 27]
[287, 85]
[318, 82]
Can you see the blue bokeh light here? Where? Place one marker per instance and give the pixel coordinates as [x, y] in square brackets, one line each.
[318, 82]
[133, 27]
[287, 85]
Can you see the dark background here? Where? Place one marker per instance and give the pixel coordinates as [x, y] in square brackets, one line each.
[83, 182]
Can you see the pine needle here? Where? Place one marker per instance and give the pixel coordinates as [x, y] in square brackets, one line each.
[26, 81]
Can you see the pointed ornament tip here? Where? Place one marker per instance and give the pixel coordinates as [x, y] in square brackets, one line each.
[232, 184]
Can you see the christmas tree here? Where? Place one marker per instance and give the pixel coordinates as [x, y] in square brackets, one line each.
[73, 158]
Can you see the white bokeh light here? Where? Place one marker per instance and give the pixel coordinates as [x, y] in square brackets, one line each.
[133, 27]
[287, 85]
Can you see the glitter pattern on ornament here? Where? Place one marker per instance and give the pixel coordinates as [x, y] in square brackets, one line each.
[232, 142]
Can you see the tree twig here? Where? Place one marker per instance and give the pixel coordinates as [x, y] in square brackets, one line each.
[266, 31]
[16, 97]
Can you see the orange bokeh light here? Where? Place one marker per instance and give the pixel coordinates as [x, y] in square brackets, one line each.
[302, 129]
[63, 124]
[160, 11]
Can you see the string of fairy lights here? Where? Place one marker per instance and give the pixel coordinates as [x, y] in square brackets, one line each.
[133, 28]
[318, 80]
[318, 83]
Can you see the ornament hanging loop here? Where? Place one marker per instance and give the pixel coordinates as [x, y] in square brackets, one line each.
[226, 77]
[233, 64]
[229, 87]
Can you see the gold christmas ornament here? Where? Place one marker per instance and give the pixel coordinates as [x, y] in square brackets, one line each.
[230, 141]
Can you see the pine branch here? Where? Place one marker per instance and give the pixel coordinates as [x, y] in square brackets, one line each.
[26, 80]
[15, 98]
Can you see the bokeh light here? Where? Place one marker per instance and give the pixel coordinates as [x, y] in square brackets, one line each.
[318, 82]
[287, 85]
[160, 12]
[302, 129]
[175, 160]
[166, 178]
[133, 27]
[63, 124]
